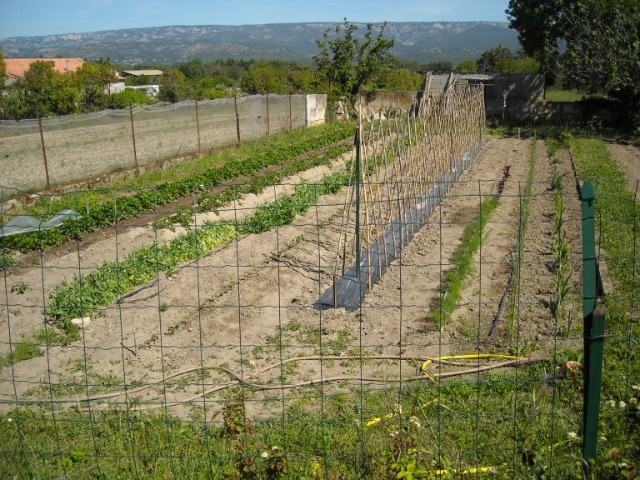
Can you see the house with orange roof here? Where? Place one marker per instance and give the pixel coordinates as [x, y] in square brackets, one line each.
[16, 67]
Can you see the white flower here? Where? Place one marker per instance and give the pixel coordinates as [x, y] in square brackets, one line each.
[415, 421]
[394, 434]
[612, 403]
[622, 405]
[633, 401]
[602, 439]
[264, 454]
[636, 388]
[9, 419]
[573, 435]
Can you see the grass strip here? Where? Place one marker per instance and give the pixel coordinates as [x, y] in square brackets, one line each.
[614, 206]
[617, 220]
[329, 445]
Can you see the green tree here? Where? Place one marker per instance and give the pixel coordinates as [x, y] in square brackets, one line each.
[218, 86]
[3, 68]
[540, 25]
[593, 44]
[174, 87]
[92, 79]
[278, 77]
[347, 62]
[301, 79]
[47, 92]
[491, 60]
[193, 68]
[467, 66]
[264, 77]
[38, 85]
[403, 79]
[128, 97]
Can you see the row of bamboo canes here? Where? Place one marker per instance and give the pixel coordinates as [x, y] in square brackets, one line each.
[398, 159]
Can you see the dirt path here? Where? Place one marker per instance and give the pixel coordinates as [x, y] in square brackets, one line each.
[479, 303]
[627, 158]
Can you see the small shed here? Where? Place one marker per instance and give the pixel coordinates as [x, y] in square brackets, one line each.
[153, 76]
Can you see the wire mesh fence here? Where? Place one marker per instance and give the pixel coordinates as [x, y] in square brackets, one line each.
[202, 349]
[37, 154]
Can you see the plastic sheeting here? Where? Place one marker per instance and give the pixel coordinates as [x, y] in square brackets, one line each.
[24, 223]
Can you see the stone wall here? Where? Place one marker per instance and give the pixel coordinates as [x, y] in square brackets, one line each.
[316, 109]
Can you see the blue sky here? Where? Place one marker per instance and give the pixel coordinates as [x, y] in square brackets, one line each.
[45, 17]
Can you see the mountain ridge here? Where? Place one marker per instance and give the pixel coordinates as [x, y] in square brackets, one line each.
[418, 41]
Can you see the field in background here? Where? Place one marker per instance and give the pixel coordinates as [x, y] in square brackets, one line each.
[35, 155]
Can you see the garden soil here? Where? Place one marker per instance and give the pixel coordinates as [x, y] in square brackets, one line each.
[221, 326]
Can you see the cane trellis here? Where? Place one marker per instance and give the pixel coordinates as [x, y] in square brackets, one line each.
[404, 166]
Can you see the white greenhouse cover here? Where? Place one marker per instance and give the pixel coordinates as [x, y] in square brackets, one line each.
[25, 223]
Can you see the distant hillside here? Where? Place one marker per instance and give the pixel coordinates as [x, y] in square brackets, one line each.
[423, 42]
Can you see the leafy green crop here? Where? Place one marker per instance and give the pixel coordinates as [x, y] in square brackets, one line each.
[84, 295]
[148, 200]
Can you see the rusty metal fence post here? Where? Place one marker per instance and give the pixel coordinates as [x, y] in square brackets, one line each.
[235, 104]
[267, 101]
[198, 128]
[44, 153]
[290, 115]
[133, 139]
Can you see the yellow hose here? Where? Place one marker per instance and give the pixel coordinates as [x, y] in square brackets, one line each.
[469, 471]
[469, 356]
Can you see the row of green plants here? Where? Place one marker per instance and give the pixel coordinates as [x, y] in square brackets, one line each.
[82, 296]
[562, 270]
[453, 282]
[206, 202]
[492, 429]
[148, 200]
[519, 250]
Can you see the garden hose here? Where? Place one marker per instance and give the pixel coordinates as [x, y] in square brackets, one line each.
[470, 356]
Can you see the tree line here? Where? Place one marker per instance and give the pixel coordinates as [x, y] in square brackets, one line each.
[590, 44]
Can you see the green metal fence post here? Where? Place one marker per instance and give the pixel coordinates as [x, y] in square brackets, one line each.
[587, 195]
[593, 327]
